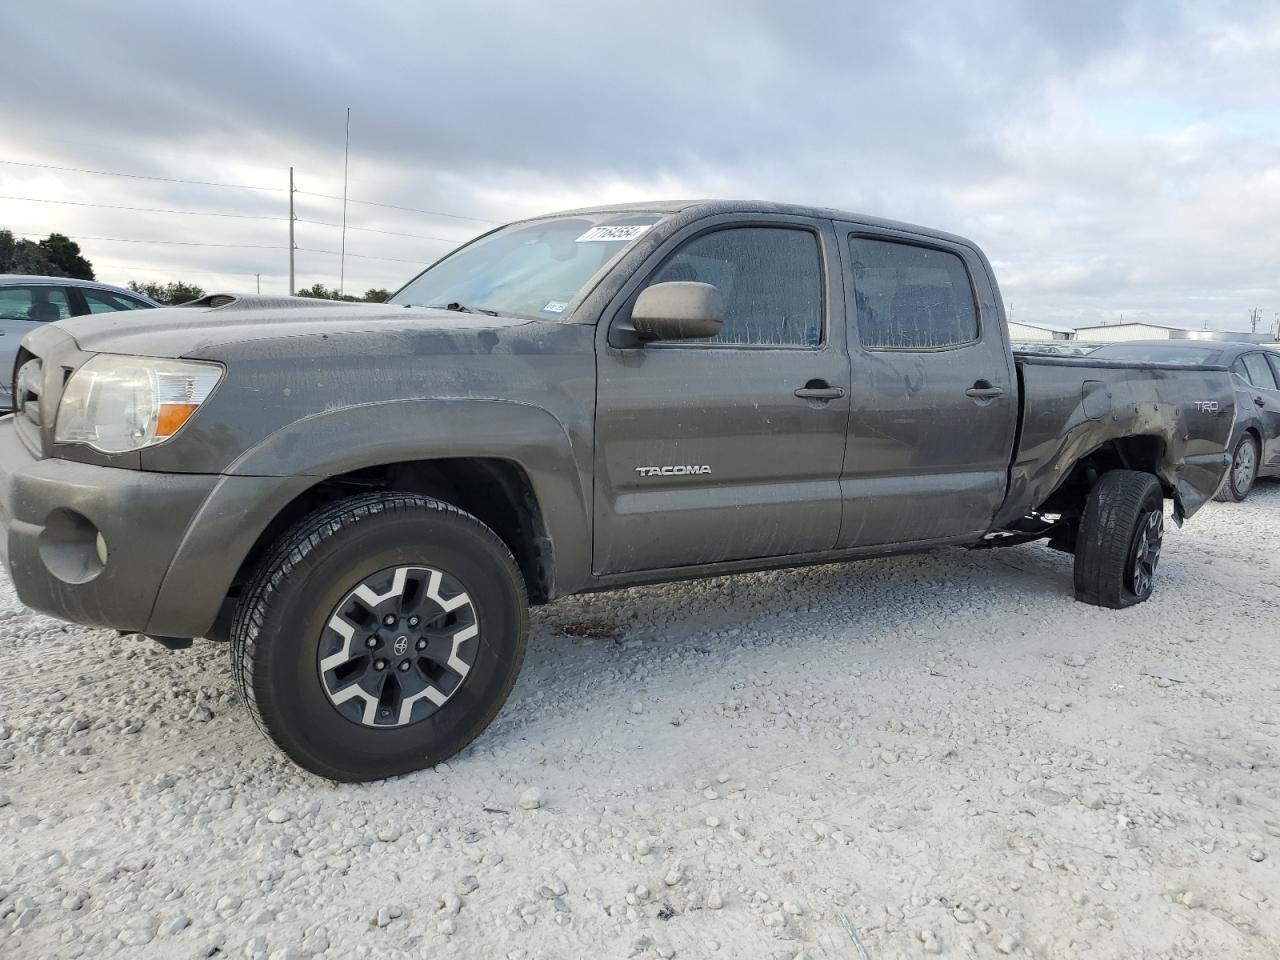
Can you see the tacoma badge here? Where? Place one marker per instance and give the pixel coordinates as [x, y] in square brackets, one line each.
[679, 470]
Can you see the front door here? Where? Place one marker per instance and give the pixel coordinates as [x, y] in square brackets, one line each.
[705, 452]
[934, 402]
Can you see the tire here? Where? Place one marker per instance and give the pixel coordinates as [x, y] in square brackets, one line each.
[1243, 472]
[1119, 542]
[310, 631]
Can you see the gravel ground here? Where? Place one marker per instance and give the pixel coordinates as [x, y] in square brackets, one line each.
[937, 754]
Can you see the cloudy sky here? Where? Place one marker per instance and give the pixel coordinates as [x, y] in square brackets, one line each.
[1113, 158]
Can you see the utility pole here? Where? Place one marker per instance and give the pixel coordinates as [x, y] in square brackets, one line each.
[1254, 316]
[342, 250]
[292, 245]
[258, 278]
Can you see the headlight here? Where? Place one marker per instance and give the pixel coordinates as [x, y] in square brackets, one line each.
[119, 404]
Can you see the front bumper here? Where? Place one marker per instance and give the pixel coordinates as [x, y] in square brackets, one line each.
[51, 514]
[174, 542]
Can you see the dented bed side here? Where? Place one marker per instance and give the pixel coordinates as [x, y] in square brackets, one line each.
[1072, 406]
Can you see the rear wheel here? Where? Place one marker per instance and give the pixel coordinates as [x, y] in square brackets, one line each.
[1118, 546]
[382, 635]
[1243, 473]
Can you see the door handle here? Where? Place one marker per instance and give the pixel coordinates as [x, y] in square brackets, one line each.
[983, 390]
[1258, 401]
[819, 390]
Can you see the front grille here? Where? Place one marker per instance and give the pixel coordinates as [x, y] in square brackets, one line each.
[28, 385]
[27, 375]
[23, 356]
[49, 356]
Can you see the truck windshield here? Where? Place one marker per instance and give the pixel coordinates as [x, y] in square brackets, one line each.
[533, 269]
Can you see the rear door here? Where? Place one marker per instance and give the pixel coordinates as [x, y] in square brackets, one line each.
[934, 401]
[704, 450]
[1266, 402]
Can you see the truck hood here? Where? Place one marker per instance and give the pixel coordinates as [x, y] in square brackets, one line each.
[203, 327]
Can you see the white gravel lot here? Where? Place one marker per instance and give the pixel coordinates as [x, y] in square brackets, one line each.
[942, 754]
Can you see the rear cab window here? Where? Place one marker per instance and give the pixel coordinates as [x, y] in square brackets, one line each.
[910, 297]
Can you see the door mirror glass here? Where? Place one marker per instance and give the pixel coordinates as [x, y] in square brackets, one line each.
[678, 310]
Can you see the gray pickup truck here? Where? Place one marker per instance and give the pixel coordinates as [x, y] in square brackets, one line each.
[364, 499]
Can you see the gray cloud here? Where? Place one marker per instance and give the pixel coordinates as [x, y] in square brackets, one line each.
[1113, 157]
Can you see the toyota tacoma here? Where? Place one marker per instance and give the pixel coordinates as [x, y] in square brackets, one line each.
[364, 499]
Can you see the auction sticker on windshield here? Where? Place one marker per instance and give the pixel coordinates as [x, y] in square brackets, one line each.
[622, 231]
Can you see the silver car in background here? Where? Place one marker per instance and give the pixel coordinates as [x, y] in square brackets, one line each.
[27, 302]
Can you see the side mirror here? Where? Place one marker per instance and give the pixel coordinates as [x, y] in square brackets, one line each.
[678, 310]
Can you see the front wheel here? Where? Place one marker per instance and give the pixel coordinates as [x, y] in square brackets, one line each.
[1244, 471]
[381, 635]
[1118, 546]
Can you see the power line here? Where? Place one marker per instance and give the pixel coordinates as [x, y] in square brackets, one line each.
[346, 156]
[166, 271]
[176, 243]
[393, 206]
[140, 176]
[234, 216]
[112, 206]
[242, 186]
[239, 246]
[390, 233]
[359, 256]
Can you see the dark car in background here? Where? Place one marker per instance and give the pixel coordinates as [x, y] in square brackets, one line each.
[27, 301]
[1255, 440]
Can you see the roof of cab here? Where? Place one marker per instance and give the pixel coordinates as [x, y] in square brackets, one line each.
[714, 207]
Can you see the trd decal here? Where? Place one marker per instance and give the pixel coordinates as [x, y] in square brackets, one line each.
[1207, 406]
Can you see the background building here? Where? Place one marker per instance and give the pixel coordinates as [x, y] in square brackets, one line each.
[1112, 332]
[1038, 332]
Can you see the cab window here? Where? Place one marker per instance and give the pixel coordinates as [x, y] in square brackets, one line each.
[909, 297]
[769, 277]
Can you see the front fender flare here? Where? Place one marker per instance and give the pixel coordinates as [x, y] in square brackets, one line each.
[262, 481]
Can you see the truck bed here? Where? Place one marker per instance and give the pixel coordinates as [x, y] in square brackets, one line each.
[1071, 406]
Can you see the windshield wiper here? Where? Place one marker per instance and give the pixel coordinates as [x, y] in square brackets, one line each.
[463, 308]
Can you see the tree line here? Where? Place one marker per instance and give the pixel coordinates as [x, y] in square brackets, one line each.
[59, 256]
[54, 256]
